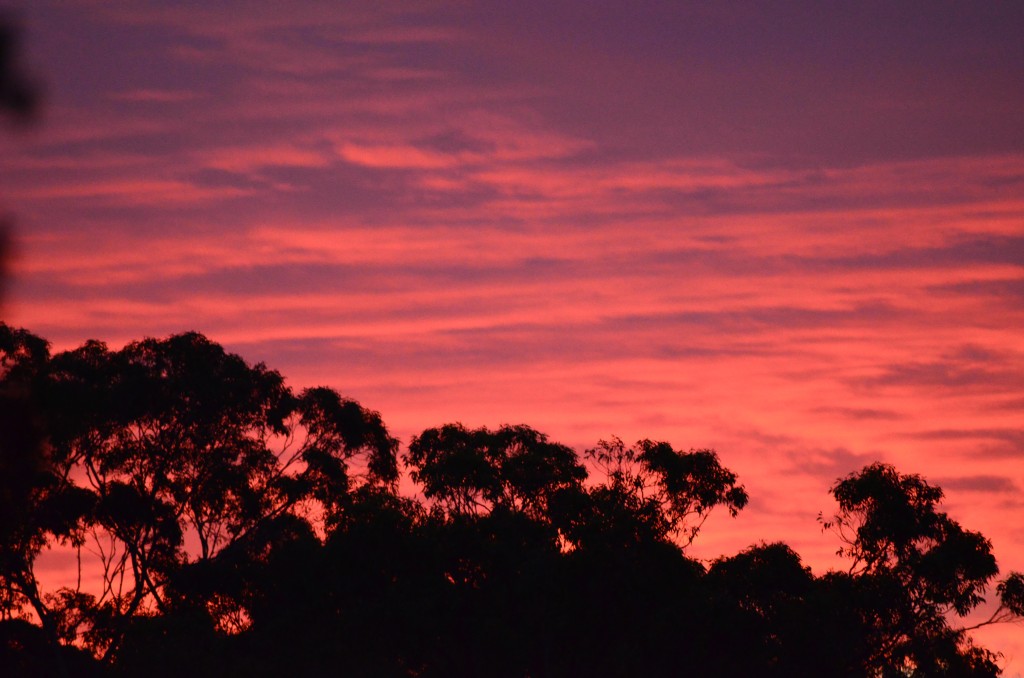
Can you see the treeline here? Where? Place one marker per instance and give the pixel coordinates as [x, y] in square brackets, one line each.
[223, 524]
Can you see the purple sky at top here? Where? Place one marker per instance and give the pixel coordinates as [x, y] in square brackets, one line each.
[794, 233]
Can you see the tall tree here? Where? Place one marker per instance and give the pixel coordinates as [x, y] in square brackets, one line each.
[176, 451]
[915, 568]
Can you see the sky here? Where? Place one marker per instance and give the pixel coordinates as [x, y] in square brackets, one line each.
[790, 232]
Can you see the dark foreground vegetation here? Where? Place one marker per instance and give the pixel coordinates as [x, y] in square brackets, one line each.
[225, 525]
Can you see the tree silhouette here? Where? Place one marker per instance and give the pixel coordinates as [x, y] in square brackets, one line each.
[651, 492]
[166, 453]
[512, 469]
[238, 527]
[918, 567]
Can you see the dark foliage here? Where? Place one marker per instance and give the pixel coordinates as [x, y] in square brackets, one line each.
[238, 528]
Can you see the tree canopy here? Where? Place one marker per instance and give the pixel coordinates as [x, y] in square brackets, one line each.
[224, 523]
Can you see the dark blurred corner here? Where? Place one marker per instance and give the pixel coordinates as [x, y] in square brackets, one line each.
[19, 96]
[19, 103]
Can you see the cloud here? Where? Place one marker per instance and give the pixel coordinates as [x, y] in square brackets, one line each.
[963, 252]
[860, 413]
[947, 375]
[979, 483]
[1009, 442]
[997, 290]
[163, 192]
[968, 369]
[156, 96]
[401, 157]
[830, 463]
[251, 158]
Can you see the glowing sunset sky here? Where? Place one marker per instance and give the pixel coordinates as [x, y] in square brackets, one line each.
[793, 235]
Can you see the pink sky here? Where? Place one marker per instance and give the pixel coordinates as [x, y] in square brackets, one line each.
[794, 236]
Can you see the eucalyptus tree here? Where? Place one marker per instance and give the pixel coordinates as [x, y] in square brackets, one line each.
[651, 492]
[176, 452]
[477, 471]
[914, 570]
